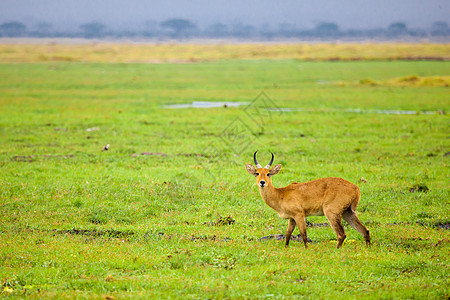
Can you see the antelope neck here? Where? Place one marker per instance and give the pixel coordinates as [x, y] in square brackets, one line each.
[270, 195]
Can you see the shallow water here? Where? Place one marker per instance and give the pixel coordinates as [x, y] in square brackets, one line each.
[206, 104]
[360, 111]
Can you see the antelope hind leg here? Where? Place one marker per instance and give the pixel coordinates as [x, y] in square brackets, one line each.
[335, 222]
[351, 218]
[290, 229]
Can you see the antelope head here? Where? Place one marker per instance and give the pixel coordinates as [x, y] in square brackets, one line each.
[263, 175]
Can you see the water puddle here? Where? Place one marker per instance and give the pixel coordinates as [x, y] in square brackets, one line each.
[325, 82]
[360, 111]
[206, 104]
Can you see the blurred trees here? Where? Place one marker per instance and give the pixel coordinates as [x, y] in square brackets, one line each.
[93, 30]
[397, 29]
[217, 30]
[440, 28]
[327, 29]
[13, 29]
[44, 29]
[179, 27]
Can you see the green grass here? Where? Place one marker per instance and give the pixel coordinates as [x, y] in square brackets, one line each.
[79, 222]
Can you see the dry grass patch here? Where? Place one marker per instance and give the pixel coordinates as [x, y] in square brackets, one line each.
[188, 53]
[410, 80]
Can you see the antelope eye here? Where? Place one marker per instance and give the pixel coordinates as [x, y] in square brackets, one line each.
[257, 174]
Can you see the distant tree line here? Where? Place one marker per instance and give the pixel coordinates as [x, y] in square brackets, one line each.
[178, 28]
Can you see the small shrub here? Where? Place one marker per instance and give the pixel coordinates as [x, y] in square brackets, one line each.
[423, 214]
[78, 203]
[368, 81]
[410, 78]
[98, 217]
[221, 221]
[419, 187]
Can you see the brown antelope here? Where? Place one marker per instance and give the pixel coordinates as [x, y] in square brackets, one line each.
[333, 197]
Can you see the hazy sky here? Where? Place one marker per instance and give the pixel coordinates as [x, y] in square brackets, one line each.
[358, 14]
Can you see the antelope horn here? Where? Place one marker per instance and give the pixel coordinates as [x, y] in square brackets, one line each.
[270, 163]
[258, 166]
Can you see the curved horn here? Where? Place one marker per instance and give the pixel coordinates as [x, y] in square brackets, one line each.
[270, 163]
[258, 166]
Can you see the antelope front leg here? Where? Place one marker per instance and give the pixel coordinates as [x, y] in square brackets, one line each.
[290, 229]
[301, 223]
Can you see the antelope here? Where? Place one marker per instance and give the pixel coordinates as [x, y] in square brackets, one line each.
[333, 197]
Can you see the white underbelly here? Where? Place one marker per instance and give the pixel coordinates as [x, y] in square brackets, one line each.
[284, 216]
[317, 213]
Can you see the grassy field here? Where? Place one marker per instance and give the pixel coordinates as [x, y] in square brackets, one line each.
[169, 210]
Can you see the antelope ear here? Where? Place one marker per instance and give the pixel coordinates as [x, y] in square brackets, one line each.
[274, 170]
[250, 169]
